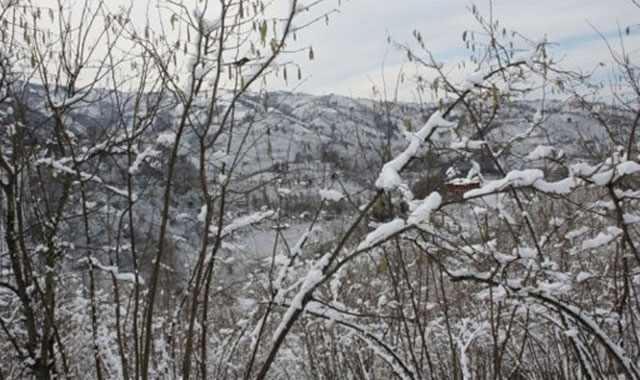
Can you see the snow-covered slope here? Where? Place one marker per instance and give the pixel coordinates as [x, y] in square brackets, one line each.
[284, 147]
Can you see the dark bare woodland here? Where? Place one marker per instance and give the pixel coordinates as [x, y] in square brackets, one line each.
[165, 215]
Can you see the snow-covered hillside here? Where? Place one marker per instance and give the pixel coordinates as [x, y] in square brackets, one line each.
[284, 147]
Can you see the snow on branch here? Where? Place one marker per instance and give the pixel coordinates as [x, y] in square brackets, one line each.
[602, 239]
[314, 277]
[389, 178]
[123, 276]
[528, 56]
[286, 264]
[424, 208]
[525, 178]
[516, 178]
[474, 79]
[579, 174]
[605, 177]
[149, 152]
[121, 192]
[382, 233]
[242, 222]
[330, 195]
[375, 342]
[464, 143]
[469, 332]
[582, 317]
[61, 167]
[542, 152]
[546, 298]
[166, 139]
[63, 102]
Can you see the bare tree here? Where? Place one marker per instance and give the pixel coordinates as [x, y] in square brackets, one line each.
[126, 199]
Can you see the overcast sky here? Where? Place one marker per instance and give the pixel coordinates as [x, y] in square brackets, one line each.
[351, 52]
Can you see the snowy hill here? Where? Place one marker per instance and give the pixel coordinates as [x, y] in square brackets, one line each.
[284, 147]
[307, 142]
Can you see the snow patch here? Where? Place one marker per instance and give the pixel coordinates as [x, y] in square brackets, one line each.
[544, 152]
[474, 79]
[423, 211]
[602, 239]
[583, 276]
[382, 233]
[330, 195]
[149, 152]
[166, 139]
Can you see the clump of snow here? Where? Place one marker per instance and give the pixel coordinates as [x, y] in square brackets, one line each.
[627, 167]
[538, 116]
[121, 192]
[330, 195]
[389, 178]
[221, 157]
[563, 186]
[210, 24]
[452, 172]
[283, 192]
[575, 233]
[62, 102]
[606, 173]
[436, 120]
[603, 238]
[554, 288]
[382, 233]
[200, 71]
[202, 215]
[423, 211]
[583, 276]
[285, 264]
[582, 169]
[526, 56]
[465, 143]
[556, 221]
[482, 248]
[251, 71]
[246, 221]
[474, 79]
[166, 139]
[222, 179]
[313, 278]
[629, 194]
[571, 333]
[544, 152]
[123, 276]
[525, 252]
[246, 304]
[327, 312]
[523, 178]
[59, 165]
[11, 130]
[631, 218]
[516, 178]
[149, 152]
